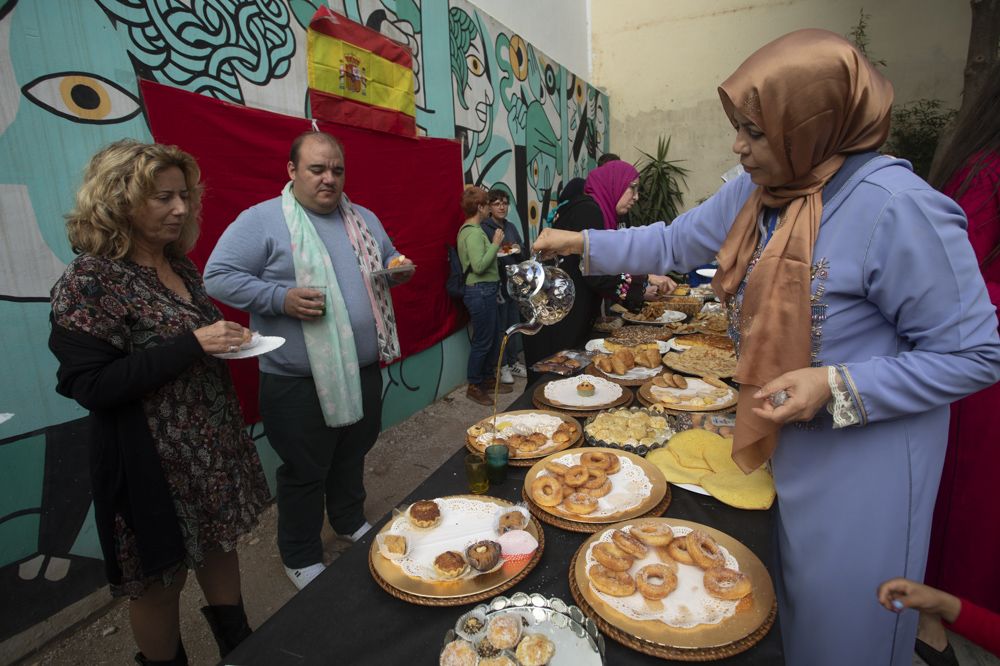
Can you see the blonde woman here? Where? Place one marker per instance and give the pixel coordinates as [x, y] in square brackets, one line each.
[176, 479]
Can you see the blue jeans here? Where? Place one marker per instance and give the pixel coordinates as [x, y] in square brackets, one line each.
[481, 302]
[508, 314]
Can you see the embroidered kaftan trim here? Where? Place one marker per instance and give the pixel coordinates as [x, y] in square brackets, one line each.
[841, 406]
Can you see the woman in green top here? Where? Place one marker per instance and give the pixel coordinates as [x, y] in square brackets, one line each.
[482, 281]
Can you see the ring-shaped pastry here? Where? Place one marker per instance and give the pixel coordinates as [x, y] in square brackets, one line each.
[580, 503]
[546, 491]
[616, 464]
[724, 583]
[652, 534]
[556, 468]
[612, 557]
[600, 491]
[678, 549]
[576, 476]
[704, 550]
[656, 581]
[615, 583]
[629, 544]
[596, 480]
[595, 459]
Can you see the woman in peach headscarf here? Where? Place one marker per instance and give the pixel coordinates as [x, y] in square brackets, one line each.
[850, 285]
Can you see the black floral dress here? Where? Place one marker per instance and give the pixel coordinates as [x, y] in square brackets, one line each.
[209, 462]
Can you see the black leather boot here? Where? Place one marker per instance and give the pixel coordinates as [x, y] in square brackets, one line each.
[229, 625]
[180, 658]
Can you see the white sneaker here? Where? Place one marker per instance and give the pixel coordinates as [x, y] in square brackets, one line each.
[360, 532]
[518, 370]
[505, 376]
[302, 577]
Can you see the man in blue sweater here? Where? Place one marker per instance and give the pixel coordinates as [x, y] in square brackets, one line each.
[301, 265]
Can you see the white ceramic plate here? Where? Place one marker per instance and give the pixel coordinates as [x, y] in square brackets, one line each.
[597, 344]
[706, 272]
[668, 317]
[693, 488]
[259, 344]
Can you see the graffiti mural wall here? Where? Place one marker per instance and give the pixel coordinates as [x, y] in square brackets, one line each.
[68, 85]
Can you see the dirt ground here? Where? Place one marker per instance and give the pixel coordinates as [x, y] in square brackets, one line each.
[402, 458]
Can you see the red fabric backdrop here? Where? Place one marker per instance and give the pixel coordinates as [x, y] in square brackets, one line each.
[412, 185]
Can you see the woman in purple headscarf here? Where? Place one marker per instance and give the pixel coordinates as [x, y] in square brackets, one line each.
[609, 192]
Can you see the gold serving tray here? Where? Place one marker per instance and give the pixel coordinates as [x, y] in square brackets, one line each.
[653, 473]
[743, 624]
[646, 397]
[456, 592]
[518, 459]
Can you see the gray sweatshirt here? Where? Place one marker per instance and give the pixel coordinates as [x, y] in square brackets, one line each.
[251, 269]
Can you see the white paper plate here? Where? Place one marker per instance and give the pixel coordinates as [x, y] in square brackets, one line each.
[259, 344]
[407, 268]
[706, 272]
[597, 344]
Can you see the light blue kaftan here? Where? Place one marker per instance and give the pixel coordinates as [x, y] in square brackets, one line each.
[899, 301]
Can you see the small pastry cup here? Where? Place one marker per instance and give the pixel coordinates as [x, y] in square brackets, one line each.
[384, 550]
[473, 636]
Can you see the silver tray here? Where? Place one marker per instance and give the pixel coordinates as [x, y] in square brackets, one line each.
[677, 423]
[577, 640]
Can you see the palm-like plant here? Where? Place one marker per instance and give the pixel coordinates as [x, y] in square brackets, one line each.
[660, 182]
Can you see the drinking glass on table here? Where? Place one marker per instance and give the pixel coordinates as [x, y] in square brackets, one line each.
[475, 472]
[496, 463]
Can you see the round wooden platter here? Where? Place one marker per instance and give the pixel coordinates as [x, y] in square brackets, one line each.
[391, 578]
[647, 398]
[731, 637]
[539, 400]
[528, 461]
[653, 505]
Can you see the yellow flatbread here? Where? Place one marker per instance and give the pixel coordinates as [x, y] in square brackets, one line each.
[744, 491]
[689, 445]
[718, 453]
[667, 462]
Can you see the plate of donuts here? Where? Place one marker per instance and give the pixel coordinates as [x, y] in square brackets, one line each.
[455, 550]
[594, 485]
[530, 434]
[663, 583]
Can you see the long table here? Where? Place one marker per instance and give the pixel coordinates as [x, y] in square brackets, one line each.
[344, 617]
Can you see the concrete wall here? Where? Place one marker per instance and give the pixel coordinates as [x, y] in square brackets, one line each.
[662, 62]
[561, 26]
[68, 85]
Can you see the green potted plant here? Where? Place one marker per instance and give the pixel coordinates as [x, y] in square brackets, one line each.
[660, 182]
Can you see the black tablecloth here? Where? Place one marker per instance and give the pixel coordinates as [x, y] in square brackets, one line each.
[344, 617]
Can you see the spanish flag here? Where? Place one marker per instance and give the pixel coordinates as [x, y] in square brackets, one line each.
[359, 77]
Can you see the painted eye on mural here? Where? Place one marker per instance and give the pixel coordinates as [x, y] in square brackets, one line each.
[534, 170]
[551, 81]
[476, 65]
[82, 98]
[519, 57]
[578, 92]
[533, 213]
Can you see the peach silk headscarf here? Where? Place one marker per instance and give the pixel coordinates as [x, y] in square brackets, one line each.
[816, 98]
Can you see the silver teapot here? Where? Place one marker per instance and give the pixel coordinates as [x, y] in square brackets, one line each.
[544, 293]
